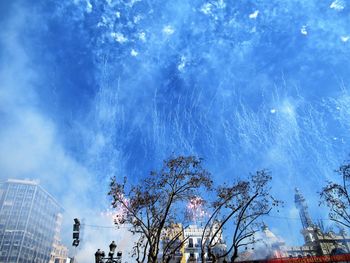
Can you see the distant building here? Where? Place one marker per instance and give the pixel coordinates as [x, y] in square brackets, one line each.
[30, 221]
[172, 243]
[192, 246]
[317, 241]
[186, 243]
[59, 253]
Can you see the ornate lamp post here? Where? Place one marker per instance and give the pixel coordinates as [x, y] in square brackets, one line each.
[100, 256]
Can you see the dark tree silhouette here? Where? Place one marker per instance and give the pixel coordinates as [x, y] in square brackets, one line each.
[336, 197]
[149, 206]
[242, 205]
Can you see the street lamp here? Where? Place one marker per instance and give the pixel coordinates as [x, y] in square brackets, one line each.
[112, 248]
[100, 255]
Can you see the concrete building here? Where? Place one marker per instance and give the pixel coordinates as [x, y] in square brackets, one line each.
[192, 246]
[172, 243]
[30, 221]
[187, 243]
[317, 241]
[59, 253]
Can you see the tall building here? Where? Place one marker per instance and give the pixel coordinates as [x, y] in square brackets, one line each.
[301, 205]
[29, 222]
[318, 242]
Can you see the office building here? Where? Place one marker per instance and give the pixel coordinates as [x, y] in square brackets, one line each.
[30, 221]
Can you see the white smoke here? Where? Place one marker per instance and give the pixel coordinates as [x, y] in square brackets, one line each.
[31, 148]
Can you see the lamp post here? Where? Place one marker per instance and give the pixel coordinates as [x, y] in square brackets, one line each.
[112, 248]
[100, 256]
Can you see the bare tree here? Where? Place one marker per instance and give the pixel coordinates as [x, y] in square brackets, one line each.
[149, 206]
[140, 249]
[336, 197]
[240, 204]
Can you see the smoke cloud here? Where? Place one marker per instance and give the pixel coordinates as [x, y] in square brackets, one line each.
[91, 89]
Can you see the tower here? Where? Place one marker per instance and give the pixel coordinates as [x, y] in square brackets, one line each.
[300, 203]
[309, 231]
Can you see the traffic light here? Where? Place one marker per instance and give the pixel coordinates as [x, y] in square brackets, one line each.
[76, 229]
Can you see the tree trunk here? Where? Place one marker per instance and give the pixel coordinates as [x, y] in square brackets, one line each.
[235, 255]
[203, 257]
[152, 256]
[211, 256]
[152, 259]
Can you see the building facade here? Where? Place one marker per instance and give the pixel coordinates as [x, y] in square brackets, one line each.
[59, 253]
[172, 244]
[184, 243]
[29, 223]
[194, 238]
[318, 242]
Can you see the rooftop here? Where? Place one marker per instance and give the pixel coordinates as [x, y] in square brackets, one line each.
[20, 181]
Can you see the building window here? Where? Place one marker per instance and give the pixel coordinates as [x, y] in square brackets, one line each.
[190, 242]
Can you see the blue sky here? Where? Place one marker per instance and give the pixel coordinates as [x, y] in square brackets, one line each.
[91, 89]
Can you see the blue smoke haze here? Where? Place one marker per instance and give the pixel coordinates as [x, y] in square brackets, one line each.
[124, 84]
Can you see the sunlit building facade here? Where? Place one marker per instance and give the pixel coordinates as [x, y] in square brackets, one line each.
[59, 253]
[194, 238]
[186, 243]
[172, 243]
[29, 222]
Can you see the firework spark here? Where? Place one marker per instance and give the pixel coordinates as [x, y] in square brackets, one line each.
[195, 209]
